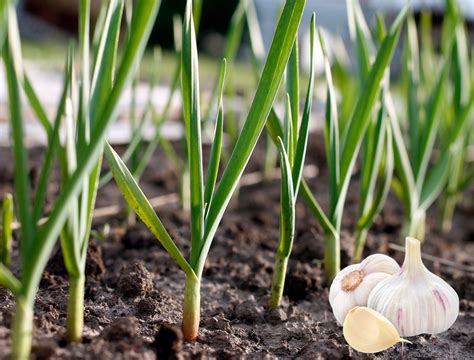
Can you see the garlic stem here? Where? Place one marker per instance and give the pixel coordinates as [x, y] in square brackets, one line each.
[413, 260]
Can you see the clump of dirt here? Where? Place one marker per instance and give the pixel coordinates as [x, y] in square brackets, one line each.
[168, 342]
[121, 329]
[135, 281]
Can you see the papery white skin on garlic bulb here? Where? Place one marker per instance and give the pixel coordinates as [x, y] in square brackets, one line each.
[415, 300]
[352, 285]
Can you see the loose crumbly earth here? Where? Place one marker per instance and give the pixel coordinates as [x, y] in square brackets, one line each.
[134, 290]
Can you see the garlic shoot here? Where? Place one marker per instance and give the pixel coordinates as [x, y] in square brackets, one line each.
[352, 285]
[415, 300]
[367, 331]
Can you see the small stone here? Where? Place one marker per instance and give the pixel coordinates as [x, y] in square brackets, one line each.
[168, 342]
[124, 327]
[135, 281]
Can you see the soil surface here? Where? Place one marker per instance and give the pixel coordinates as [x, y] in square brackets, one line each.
[134, 290]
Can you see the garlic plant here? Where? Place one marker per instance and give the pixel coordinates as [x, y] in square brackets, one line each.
[378, 333]
[415, 300]
[208, 200]
[352, 285]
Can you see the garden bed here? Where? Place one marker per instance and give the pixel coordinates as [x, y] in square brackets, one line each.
[134, 290]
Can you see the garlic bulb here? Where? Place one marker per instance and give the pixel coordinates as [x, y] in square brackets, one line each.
[415, 300]
[352, 285]
[369, 332]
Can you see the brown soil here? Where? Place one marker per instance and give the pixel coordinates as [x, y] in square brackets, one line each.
[134, 290]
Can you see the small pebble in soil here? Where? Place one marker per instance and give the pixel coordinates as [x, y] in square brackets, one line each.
[135, 281]
[123, 327]
[168, 342]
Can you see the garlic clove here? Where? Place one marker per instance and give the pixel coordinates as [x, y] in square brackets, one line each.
[336, 284]
[366, 286]
[379, 263]
[415, 300]
[353, 284]
[341, 305]
[367, 331]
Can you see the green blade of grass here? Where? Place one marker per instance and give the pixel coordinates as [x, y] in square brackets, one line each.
[302, 135]
[105, 59]
[257, 116]
[36, 105]
[53, 143]
[383, 159]
[6, 230]
[316, 209]
[331, 132]
[287, 204]
[431, 127]
[190, 92]
[14, 74]
[361, 37]
[372, 160]
[461, 73]
[196, 12]
[9, 281]
[83, 128]
[407, 190]
[435, 181]
[288, 133]
[275, 130]
[273, 127]
[412, 73]
[381, 28]
[70, 232]
[215, 156]
[293, 89]
[361, 116]
[142, 207]
[384, 189]
[98, 30]
[3, 23]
